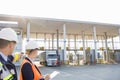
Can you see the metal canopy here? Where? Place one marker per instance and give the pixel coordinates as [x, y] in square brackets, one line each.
[48, 25]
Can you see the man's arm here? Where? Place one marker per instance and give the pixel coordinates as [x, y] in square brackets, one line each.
[27, 72]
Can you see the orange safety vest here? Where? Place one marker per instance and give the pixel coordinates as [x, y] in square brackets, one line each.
[37, 74]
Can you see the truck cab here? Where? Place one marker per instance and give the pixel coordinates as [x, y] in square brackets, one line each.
[51, 58]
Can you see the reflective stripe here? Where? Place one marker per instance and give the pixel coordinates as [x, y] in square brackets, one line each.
[9, 77]
[1, 66]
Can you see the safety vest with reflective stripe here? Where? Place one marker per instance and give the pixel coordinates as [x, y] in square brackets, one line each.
[8, 77]
[37, 75]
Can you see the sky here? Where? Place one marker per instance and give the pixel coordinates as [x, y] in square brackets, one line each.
[103, 11]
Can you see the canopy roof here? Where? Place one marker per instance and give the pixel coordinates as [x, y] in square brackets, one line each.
[50, 25]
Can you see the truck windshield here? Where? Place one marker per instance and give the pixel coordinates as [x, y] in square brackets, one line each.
[52, 56]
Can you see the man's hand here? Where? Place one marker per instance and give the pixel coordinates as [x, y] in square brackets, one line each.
[47, 77]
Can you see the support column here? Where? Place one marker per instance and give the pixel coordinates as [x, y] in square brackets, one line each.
[75, 41]
[64, 42]
[58, 47]
[95, 43]
[119, 35]
[83, 40]
[68, 45]
[53, 41]
[57, 39]
[45, 40]
[106, 50]
[28, 31]
[75, 51]
[103, 47]
[102, 40]
[86, 41]
[112, 43]
[49, 43]
[69, 41]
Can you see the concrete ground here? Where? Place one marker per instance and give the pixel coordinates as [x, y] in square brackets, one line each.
[91, 72]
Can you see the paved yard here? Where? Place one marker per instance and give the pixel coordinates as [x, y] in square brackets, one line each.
[91, 72]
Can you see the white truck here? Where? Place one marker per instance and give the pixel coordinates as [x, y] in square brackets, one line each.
[50, 58]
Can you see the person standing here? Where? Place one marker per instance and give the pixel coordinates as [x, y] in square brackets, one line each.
[28, 70]
[8, 40]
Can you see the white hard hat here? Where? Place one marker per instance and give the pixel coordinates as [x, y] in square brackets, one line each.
[32, 45]
[8, 34]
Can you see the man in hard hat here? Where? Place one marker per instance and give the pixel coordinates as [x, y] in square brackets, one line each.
[8, 40]
[28, 70]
